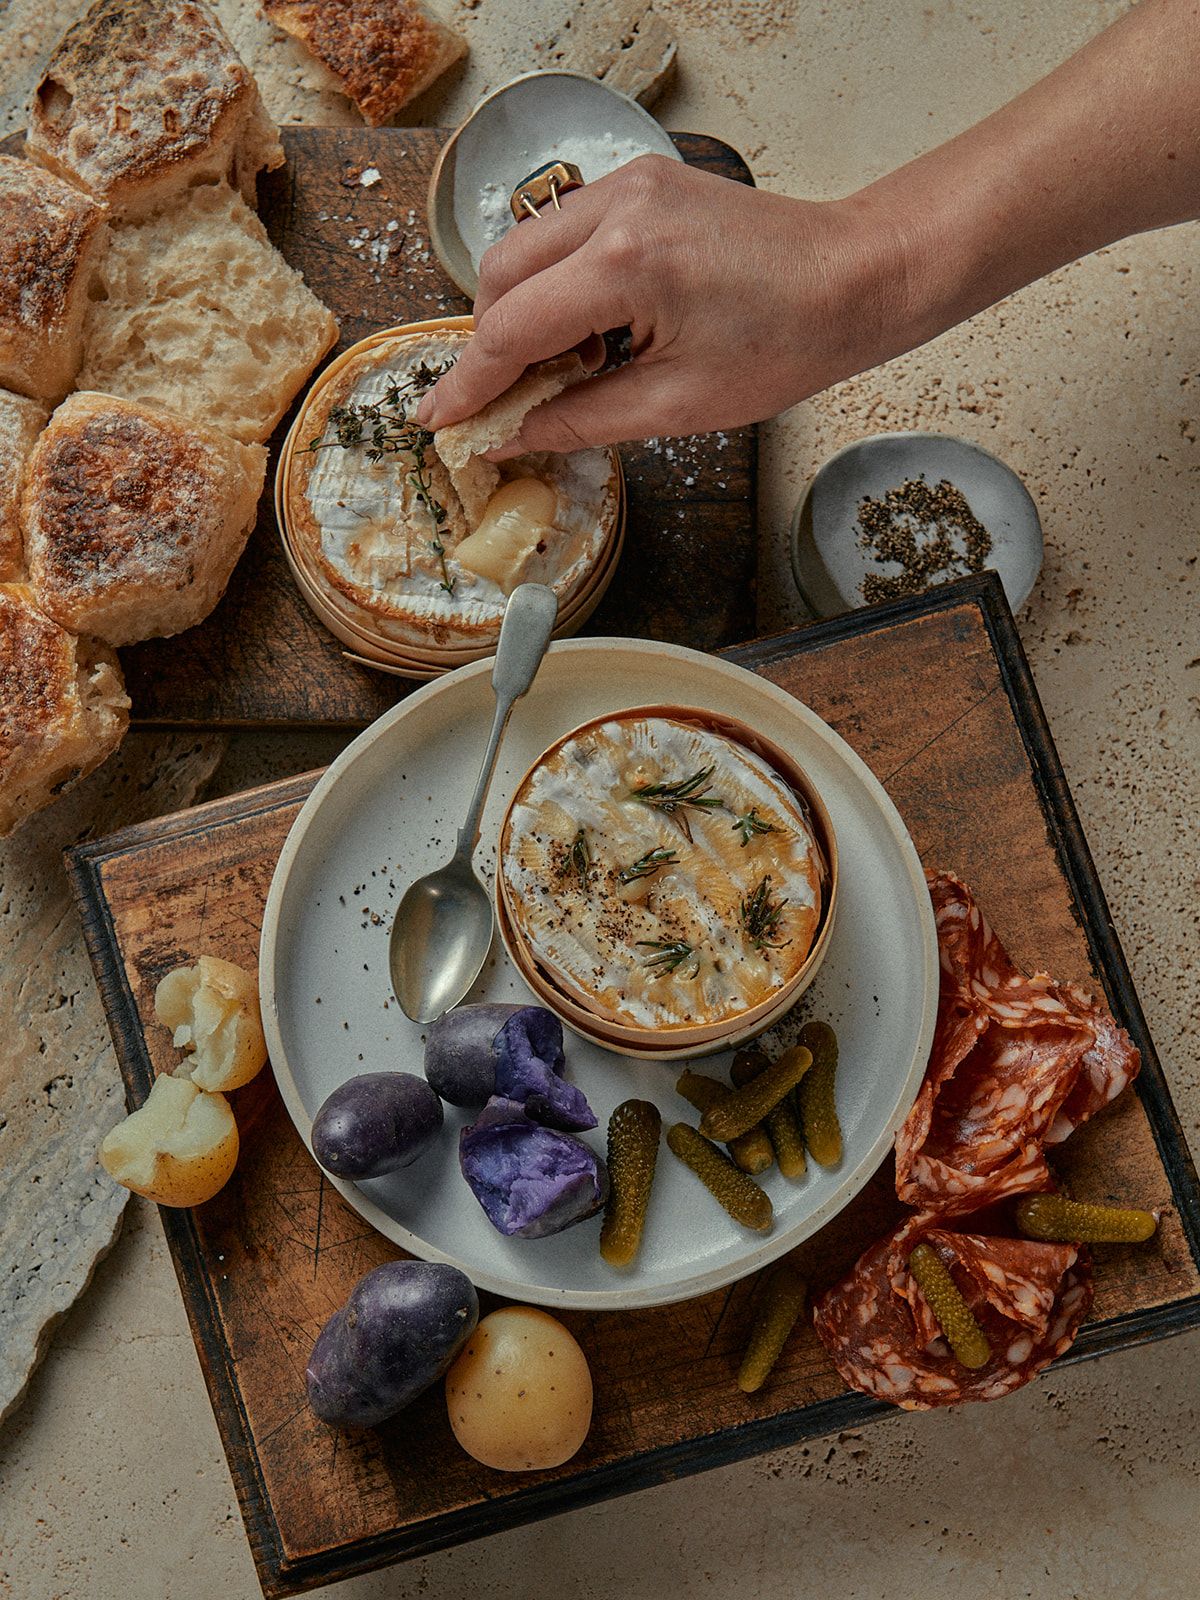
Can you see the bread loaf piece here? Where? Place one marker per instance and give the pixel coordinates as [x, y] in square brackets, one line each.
[134, 519]
[501, 419]
[21, 421]
[141, 100]
[50, 239]
[197, 311]
[382, 53]
[63, 707]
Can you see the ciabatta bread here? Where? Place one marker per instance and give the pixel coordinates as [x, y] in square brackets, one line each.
[50, 239]
[381, 53]
[501, 419]
[134, 519]
[21, 421]
[141, 100]
[63, 707]
[197, 311]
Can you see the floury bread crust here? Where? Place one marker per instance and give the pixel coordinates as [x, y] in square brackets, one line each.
[135, 519]
[51, 237]
[198, 312]
[63, 707]
[21, 421]
[142, 99]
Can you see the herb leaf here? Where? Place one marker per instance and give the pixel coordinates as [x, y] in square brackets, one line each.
[760, 917]
[646, 866]
[750, 823]
[676, 799]
[669, 954]
[579, 858]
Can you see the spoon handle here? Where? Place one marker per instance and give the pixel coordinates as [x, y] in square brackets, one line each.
[525, 633]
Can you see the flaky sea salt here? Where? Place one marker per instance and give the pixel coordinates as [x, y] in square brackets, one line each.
[370, 176]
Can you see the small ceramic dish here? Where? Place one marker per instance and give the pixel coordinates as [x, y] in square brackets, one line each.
[830, 565]
[538, 117]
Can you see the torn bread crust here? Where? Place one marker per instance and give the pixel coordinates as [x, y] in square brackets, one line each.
[500, 420]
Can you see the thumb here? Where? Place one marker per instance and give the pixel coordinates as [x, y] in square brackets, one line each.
[635, 402]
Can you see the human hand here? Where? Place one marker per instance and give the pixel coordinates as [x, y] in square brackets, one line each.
[740, 302]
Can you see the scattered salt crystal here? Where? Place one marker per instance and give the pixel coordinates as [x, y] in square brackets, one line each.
[355, 244]
[370, 177]
[393, 226]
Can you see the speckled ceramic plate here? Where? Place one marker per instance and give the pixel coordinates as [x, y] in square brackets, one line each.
[387, 811]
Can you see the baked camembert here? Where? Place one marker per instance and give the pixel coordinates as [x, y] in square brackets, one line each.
[661, 874]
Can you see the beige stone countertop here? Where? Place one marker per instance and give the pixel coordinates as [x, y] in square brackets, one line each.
[113, 1485]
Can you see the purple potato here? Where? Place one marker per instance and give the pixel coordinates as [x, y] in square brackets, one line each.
[529, 1064]
[531, 1181]
[399, 1331]
[375, 1123]
[459, 1060]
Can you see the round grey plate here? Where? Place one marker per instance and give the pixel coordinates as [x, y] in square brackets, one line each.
[829, 563]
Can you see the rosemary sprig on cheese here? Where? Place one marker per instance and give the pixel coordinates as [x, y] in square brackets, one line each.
[646, 866]
[760, 916]
[750, 823]
[676, 799]
[579, 858]
[668, 954]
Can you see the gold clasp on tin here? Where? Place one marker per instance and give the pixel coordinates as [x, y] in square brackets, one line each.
[543, 187]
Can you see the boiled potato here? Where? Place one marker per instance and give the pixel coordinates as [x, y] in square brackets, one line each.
[212, 1010]
[178, 1148]
[520, 1395]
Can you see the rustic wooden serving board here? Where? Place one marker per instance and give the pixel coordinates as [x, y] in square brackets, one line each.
[935, 695]
[689, 565]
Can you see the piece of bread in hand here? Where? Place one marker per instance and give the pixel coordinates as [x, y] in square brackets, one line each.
[500, 420]
[21, 421]
[51, 237]
[140, 100]
[134, 518]
[63, 706]
[381, 53]
[194, 309]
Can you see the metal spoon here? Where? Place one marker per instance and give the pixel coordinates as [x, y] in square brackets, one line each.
[443, 928]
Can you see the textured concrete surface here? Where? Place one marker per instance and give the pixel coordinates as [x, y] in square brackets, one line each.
[1085, 1485]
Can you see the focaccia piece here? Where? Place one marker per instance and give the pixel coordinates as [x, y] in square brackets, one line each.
[135, 519]
[501, 419]
[21, 421]
[63, 707]
[141, 100]
[51, 237]
[382, 53]
[197, 311]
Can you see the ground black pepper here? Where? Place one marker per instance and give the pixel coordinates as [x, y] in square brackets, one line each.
[930, 533]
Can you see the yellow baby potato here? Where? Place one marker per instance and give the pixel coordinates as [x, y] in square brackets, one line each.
[178, 1148]
[520, 1394]
[212, 1010]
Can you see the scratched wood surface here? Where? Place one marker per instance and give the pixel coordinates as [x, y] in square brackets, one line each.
[688, 569]
[931, 705]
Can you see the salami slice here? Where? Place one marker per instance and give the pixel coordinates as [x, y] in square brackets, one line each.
[1029, 1298]
[1017, 1062]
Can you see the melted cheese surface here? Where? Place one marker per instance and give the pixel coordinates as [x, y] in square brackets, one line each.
[517, 526]
[589, 937]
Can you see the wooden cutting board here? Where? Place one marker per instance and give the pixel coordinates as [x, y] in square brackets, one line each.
[689, 566]
[935, 695]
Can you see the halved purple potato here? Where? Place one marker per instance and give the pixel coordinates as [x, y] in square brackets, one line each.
[531, 1181]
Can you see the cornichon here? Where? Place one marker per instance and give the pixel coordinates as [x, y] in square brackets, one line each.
[633, 1134]
[752, 1151]
[816, 1095]
[1057, 1220]
[743, 1107]
[736, 1190]
[781, 1122]
[782, 1302]
[963, 1334]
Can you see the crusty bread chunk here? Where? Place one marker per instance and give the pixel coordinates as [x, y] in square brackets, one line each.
[501, 419]
[382, 53]
[21, 421]
[134, 518]
[50, 239]
[141, 100]
[63, 707]
[196, 310]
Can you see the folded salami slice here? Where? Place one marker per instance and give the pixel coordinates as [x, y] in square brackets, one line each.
[1029, 1298]
[1017, 1062]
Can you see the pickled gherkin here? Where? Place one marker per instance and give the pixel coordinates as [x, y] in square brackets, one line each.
[954, 1317]
[734, 1189]
[816, 1095]
[781, 1122]
[1057, 1220]
[752, 1150]
[633, 1134]
[780, 1305]
[744, 1107]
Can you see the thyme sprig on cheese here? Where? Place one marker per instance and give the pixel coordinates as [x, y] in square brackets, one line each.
[646, 866]
[668, 954]
[676, 799]
[750, 823]
[386, 427]
[760, 916]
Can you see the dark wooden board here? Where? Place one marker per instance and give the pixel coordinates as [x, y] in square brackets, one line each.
[689, 566]
[935, 695]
